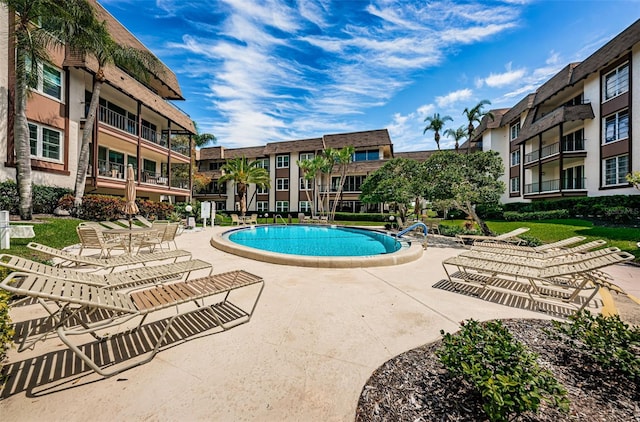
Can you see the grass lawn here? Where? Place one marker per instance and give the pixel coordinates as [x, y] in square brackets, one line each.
[548, 231]
[60, 232]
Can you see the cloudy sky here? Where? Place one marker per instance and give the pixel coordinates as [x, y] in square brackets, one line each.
[257, 71]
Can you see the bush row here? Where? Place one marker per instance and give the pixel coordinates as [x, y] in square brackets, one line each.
[534, 215]
[45, 198]
[105, 207]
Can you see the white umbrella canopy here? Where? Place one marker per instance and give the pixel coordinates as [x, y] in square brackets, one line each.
[130, 208]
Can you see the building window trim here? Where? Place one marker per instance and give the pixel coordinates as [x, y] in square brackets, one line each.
[41, 144]
[514, 185]
[615, 170]
[282, 161]
[515, 158]
[58, 84]
[514, 131]
[282, 184]
[616, 82]
[282, 206]
[616, 127]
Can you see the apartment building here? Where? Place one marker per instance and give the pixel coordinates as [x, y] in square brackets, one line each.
[573, 136]
[290, 192]
[135, 123]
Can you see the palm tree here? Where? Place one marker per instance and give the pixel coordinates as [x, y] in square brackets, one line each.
[436, 123]
[243, 173]
[97, 42]
[456, 134]
[475, 115]
[343, 158]
[61, 21]
[308, 168]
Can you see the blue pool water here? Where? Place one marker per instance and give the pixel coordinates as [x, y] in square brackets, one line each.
[316, 240]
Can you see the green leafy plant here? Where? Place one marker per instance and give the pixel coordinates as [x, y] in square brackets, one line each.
[503, 372]
[607, 340]
[6, 329]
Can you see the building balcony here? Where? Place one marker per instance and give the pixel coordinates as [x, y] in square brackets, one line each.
[129, 126]
[558, 116]
[557, 186]
[567, 146]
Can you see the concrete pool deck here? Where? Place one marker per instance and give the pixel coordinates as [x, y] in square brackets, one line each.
[315, 338]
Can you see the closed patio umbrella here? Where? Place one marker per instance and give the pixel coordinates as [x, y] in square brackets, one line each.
[130, 208]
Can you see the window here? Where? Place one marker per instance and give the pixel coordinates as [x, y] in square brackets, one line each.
[515, 158]
[616, 82]
[616, 126]
[48, 81]
[262, 206]
[368, 155]
[46, 143]
[306, 156]
[282, 184]
[263, 163]
[353, 183]
[514, 184]
[282, 161]
[573, 178]
[282, 206]
[573, 141]
[306, 184]
[215, 166]
[615, 170]
[304, 206]
[514, 131]
[149, 167]
[262, 190]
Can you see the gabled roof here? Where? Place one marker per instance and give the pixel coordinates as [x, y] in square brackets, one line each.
[222, 153]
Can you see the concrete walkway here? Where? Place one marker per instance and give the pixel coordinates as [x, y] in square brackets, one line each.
[316, 337]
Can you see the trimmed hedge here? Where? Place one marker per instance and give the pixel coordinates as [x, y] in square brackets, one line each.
[45, 198]
[535, 215]
[105, 207]
[578, 207]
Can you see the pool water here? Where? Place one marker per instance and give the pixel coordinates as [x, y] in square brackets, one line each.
[316, 240]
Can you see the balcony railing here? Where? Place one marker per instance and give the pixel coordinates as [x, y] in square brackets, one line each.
[572, 145]
[155, 178]
[553, 185]
[110, 169]
[125, 124]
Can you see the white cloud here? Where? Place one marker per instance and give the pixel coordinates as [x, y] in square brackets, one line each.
[498, 80]
[454, 97]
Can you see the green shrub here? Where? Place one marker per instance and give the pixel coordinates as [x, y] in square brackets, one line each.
[506, 375]
[44, 198]
[606, 339]
[6, 329]
[620, 214]
[535, 215]
[105, 207]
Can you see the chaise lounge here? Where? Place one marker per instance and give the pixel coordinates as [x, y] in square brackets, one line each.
[85, 309]
[509, 237]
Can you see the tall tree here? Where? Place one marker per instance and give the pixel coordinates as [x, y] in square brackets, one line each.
[398, 181]
[464, 181]
[61, 21]
[436, 124]
[98, 43]
[243, 173]
[309, 171]
[456, 134]
[475, 115]
[343, 158]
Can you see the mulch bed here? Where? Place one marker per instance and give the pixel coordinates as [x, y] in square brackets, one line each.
[414, 386]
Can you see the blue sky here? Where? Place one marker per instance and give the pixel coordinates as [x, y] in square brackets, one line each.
[257, 71]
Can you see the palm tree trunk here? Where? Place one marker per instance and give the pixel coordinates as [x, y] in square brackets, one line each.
[22, 142]
[83, 159]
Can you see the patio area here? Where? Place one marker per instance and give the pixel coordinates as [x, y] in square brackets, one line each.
[315, 338]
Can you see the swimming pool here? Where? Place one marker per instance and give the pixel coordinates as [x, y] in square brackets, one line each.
[317, 246]
[316, 240]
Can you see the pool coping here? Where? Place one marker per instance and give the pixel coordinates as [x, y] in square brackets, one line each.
[403, 256]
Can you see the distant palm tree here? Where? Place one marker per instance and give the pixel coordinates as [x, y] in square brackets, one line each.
[97, 42]
[343, 158]
[243, 173]
[475, 115]
[456, 134]
[309, 170]
[436, 124]
[61, 20]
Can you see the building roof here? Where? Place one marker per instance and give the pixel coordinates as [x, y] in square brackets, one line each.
[312, 144]
[611, 51]
[165, 81]
[415, 155]
[367, 138]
